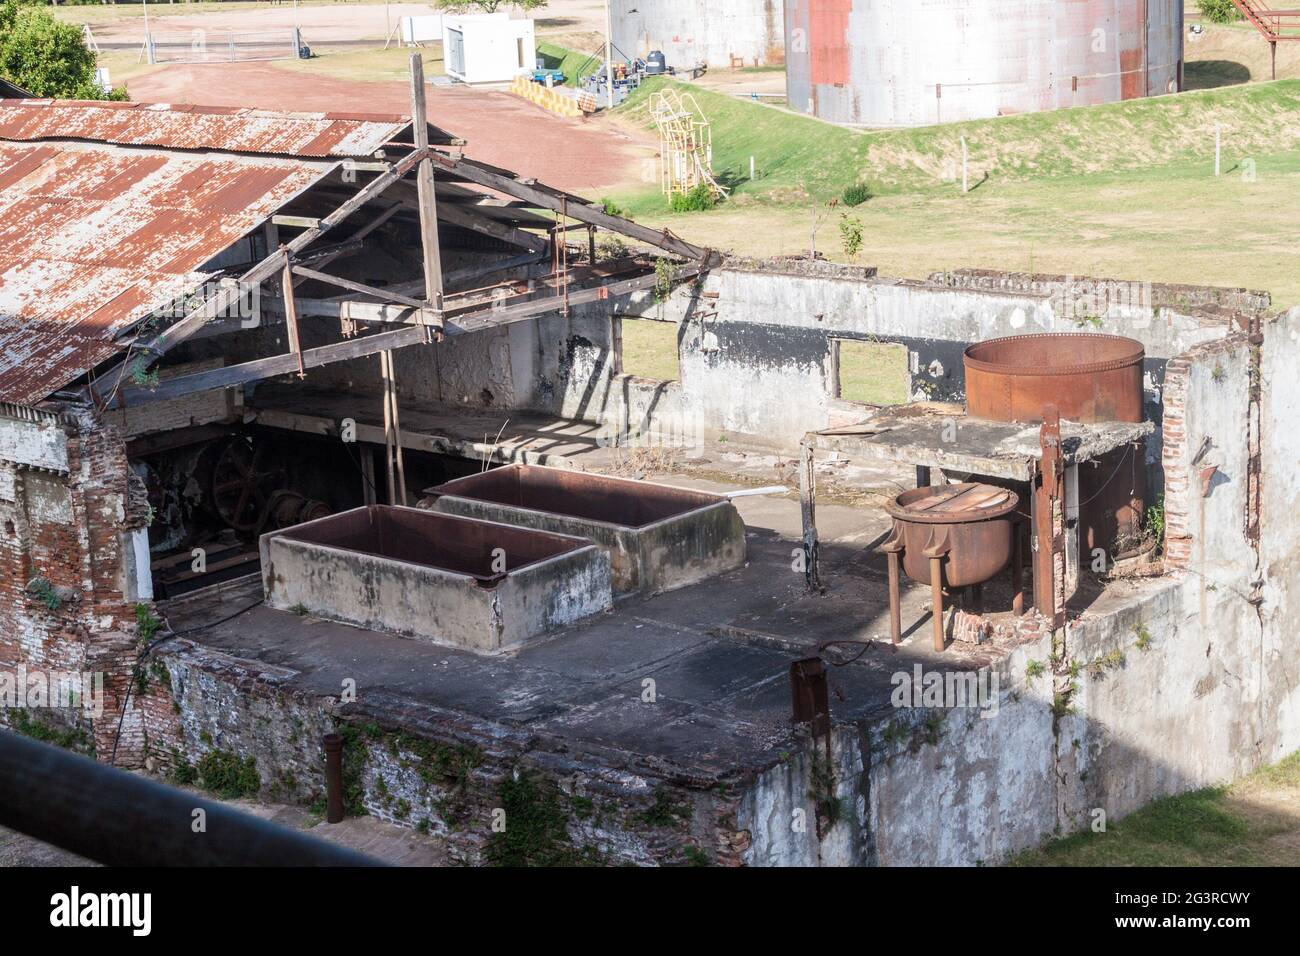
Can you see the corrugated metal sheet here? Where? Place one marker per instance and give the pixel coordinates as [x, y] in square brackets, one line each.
[316, 135]
[95, 237]
[915, 62]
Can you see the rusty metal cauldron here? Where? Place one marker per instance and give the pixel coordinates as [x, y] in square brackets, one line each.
[957, 536]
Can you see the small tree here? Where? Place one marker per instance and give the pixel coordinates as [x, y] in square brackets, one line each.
[851, 235]
[46, 57]
[1218, 11]
[486, 6]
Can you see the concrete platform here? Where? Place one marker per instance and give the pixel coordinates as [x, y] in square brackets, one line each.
[718, 652]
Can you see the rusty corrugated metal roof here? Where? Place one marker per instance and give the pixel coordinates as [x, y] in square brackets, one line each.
[173, 126]
[94, 237]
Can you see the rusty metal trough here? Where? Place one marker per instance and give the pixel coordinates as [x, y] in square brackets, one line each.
[1089, 377]
[657, 538]
[460, 582]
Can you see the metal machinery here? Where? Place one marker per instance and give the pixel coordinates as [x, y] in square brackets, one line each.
[685, 143]
[894, 63]
[629, 73]
[700, 34]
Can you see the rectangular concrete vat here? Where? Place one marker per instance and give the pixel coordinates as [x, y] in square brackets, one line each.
[658, 538]
[460, 582]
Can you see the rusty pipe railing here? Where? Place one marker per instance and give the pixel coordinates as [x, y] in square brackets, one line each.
[119, 819]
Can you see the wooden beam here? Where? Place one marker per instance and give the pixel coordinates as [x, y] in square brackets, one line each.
[353, 286]
[425, 189]
[296, 222]
[461, 216]
[458, 276]
[571, 206]
[275, 365]
[355, 310]
[502, 315]
[214, 305]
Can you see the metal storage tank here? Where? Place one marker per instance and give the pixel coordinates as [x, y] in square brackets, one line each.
[701, 32]
[916, 62]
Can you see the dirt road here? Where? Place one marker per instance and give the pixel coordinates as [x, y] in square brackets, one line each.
[583, 156]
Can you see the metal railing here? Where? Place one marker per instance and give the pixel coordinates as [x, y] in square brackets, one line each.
[120, 819]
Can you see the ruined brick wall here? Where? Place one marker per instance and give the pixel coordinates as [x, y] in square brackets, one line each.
[1207, 443]
[436, 771]
[68, 530]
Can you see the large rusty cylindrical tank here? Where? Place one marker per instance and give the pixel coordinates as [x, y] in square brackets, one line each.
[892, 63]
[1089, 377]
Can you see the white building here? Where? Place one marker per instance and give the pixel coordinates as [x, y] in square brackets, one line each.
[487, 47]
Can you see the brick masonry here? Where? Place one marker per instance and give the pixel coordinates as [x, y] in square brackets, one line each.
[71, 529]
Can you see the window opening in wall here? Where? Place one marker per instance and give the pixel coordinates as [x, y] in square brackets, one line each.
[646, 348]
[873, 373]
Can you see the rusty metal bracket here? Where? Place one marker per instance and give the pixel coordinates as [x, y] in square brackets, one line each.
[809, 697]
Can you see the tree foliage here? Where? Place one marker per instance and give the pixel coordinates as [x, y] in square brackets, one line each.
[1218, 11]
[486, 6]
[47, 57]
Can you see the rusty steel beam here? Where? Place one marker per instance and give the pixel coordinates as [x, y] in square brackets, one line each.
[275, 365]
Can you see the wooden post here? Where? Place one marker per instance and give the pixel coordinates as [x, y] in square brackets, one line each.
[808, 511]
[399, 458]
[291, 314]
[388, 429]
[425, 190]
[392, 431]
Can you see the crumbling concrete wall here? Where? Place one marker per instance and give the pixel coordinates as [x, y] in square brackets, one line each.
[1162, 685]
[755, 340]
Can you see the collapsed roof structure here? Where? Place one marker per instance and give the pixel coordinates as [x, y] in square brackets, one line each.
[116, 215]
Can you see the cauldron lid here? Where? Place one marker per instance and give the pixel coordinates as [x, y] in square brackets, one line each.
[970, 501]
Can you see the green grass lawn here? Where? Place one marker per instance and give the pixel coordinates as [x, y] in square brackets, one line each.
[94, 13]
[650, 349]
[1125, 190]
[1254, 822]
[873, 372]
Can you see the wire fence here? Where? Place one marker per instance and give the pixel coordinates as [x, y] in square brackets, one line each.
[217, 46]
